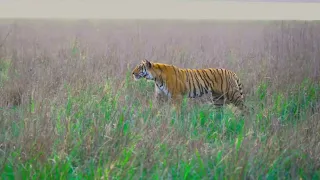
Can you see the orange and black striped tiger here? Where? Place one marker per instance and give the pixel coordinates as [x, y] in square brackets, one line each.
[176, 83]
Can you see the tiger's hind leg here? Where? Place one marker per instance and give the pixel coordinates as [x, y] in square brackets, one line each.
[237, 99]
[219, 102]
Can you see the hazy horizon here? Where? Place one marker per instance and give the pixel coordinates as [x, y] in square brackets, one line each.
[155, 9]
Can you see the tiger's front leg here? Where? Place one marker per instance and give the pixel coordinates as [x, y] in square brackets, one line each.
[159, 96]
[158, 100]
[177, 102]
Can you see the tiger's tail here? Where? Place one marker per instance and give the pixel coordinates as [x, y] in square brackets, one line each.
[240, 86]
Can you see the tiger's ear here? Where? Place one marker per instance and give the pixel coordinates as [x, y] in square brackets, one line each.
[148, 63]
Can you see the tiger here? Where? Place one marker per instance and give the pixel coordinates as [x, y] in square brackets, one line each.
[177, 83]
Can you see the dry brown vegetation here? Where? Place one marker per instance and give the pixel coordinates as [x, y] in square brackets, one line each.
[45, 62]
[47, 54]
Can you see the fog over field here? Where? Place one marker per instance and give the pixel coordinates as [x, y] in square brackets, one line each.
[56, 51]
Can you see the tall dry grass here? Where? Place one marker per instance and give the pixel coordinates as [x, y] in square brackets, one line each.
[53, 72]
[47, 54]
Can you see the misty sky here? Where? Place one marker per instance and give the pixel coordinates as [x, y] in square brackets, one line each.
[161, 9]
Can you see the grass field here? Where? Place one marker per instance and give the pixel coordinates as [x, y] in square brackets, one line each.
[71, 110]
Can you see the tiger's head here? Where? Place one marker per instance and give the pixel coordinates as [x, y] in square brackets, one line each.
[143, 70]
